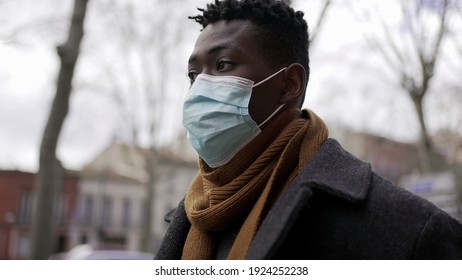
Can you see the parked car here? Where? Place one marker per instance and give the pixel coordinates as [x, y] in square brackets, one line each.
[86, 252]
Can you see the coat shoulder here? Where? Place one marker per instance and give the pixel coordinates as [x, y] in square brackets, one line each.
[391, 223]
[365, 216]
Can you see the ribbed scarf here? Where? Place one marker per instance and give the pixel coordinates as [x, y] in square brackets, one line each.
[250, 183]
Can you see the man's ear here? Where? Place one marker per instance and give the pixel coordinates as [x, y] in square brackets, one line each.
[295, 75]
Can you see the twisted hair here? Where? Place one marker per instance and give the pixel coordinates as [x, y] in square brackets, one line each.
[282, 32]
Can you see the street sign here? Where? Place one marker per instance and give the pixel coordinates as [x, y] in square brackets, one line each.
[438, 188]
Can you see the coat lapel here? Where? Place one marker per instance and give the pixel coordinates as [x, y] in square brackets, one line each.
[175, 237]
[332, 170]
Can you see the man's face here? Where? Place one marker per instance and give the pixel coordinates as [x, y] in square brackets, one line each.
[231, 49]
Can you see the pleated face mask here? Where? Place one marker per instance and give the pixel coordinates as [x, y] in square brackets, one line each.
[216, 116]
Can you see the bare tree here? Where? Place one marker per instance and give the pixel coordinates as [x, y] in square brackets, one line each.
[314, 30]
[415, 60]
[148, 36]
[50, 171]
[320, 22]
[156, 70]
[456, 38]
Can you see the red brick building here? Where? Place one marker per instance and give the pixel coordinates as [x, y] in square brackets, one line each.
[16, 199]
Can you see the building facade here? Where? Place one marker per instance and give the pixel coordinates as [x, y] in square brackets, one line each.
[389, 158]
[113, 197]
[16, 206]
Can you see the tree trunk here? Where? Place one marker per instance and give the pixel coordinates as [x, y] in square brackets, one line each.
[322, 16]
[416, 75]
[425, 146]
[146, 239]
[50, 170]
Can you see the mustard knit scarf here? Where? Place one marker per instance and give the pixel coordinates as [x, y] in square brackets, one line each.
[250, 183]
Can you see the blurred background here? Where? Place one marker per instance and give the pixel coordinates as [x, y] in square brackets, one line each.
[92, 151]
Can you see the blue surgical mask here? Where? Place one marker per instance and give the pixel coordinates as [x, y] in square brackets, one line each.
[216, 115]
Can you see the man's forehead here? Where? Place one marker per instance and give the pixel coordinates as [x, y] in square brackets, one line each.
[234, 35]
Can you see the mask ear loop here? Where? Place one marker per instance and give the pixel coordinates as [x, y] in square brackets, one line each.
[280, 107]
[274, 113]
[266, 79]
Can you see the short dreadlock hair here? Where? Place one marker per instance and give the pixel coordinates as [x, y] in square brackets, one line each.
[282, 32]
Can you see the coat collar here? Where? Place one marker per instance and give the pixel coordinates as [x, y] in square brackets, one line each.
[331, 170]
[337, 172]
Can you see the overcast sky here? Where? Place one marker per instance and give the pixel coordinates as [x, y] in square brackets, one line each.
[343, 89]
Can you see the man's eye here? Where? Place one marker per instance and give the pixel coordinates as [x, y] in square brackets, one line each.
[192, 76]
[222, 65]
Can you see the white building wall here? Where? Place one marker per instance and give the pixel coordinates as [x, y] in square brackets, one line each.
[117, 191]
[172, 184]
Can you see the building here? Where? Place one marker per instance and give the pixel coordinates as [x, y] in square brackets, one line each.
[399, 163]
[103, 205]
[391, 159]
[113, 195]
[16, 202]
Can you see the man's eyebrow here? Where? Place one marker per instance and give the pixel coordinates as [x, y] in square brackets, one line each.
[216, 49]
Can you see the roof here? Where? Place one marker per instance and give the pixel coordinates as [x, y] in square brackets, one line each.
[124, 161]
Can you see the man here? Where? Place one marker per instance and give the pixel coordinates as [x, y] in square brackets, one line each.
[271, 185]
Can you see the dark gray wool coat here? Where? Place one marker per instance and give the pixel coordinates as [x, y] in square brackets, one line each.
[338, 208]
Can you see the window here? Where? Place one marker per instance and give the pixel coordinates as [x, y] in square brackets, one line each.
[126, 213]
[87, 210]
[144, 214]
[23, 245]
[106, 217]
[61, 210]
[25, 208]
